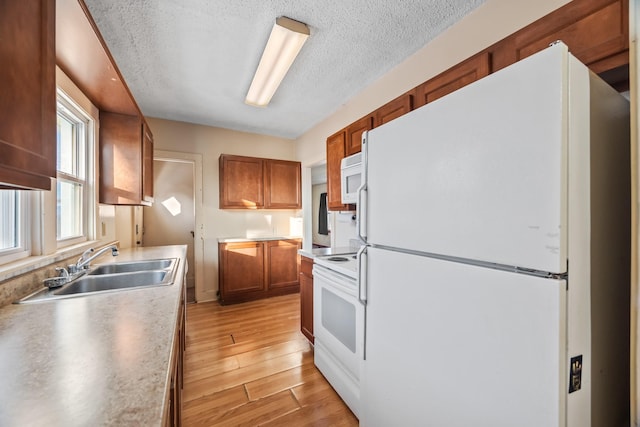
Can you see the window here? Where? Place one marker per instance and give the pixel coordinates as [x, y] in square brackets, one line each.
[72, 187]
[13, 238]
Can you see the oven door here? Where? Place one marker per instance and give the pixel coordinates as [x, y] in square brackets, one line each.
[338, 318]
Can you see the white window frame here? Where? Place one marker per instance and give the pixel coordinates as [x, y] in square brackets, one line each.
[22, 249]
[72, 110]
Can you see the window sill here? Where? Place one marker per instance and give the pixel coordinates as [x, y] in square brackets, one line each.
[27, 265]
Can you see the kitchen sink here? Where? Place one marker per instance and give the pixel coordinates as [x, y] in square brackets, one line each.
[113, 277]
[128, 267]
[108, 282]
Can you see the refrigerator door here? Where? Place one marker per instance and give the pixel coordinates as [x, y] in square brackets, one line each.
[457, 345]
[481, 173]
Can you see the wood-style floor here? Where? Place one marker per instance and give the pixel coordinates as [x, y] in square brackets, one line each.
[248, 365]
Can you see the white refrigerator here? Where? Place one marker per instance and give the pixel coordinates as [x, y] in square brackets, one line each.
[496, 271]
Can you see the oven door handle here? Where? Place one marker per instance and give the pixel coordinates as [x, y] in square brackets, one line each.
[362, 274]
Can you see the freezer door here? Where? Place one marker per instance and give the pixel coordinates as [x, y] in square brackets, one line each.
[480, 173]
[456, 345]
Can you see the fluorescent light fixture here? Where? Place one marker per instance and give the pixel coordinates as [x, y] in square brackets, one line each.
[285, 41]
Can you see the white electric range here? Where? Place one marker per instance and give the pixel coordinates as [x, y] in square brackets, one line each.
[338, 325]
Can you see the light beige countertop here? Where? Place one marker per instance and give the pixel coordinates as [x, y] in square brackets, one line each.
[316, 252]
[254, 239]
[101, 359]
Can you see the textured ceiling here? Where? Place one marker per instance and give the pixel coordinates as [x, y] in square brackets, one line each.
[193, 60]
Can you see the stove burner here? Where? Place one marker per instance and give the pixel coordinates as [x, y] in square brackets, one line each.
[338, 259]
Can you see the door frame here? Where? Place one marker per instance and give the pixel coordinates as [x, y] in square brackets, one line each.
[198, 241]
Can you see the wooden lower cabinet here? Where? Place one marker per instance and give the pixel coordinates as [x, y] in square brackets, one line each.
[173, 414]
[258, 269]
[306, 297]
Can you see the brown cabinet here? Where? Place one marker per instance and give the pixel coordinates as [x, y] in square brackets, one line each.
[147, 164]
[596, 31]
[241, 269]
[173, 414]
[283, 263]
[126, 160]
[453, 79]
[335, 153]
[28, 101]
[257, 269]
[353, 134]
[393, 109]
[241, 182]
[306, 297]
[256, 183]
[283, 188]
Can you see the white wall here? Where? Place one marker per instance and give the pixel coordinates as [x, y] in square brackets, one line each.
[485, 26]
[211, 142]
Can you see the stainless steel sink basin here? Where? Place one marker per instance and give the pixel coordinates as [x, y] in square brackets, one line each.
[107, 282]
[127, 267]
[113, 277]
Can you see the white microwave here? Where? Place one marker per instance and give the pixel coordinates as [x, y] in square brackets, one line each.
[351, 178]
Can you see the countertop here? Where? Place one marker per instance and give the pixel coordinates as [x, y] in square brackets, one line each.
[327, 251]
[93, 360]
[254, 239]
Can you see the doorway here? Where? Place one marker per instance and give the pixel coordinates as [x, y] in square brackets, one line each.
[173, 217]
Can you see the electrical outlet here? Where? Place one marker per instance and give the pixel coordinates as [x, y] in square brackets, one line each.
[575, 374]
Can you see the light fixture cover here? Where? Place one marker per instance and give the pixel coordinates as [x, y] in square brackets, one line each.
[285, 41]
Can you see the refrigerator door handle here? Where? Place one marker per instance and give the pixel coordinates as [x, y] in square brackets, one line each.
[362, 275]
[362, 193]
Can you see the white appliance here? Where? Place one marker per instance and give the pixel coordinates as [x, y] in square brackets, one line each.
[351, 178]
[338, 325]
[497, 285]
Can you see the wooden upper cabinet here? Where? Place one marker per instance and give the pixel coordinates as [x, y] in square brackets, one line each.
[596, 32]
[335, 153]
[28, 100]
[283, 184]
[393, 109]
[241, 182]
[122, 170]
[353, 134]
[147, 164]
[453, 79]
[256, 183]
[82, 54]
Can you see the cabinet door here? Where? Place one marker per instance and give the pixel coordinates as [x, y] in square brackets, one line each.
[453, 79]
[241, 269]
[147, 165]
[28, 100]
[241, 182]
[283, 185]
[393, 109]
[597, 33]
[335, 154]
[120, 167]
[354, 134]
[284, 263]
[306, 298]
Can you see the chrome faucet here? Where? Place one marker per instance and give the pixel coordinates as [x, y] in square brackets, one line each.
[86, 258]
